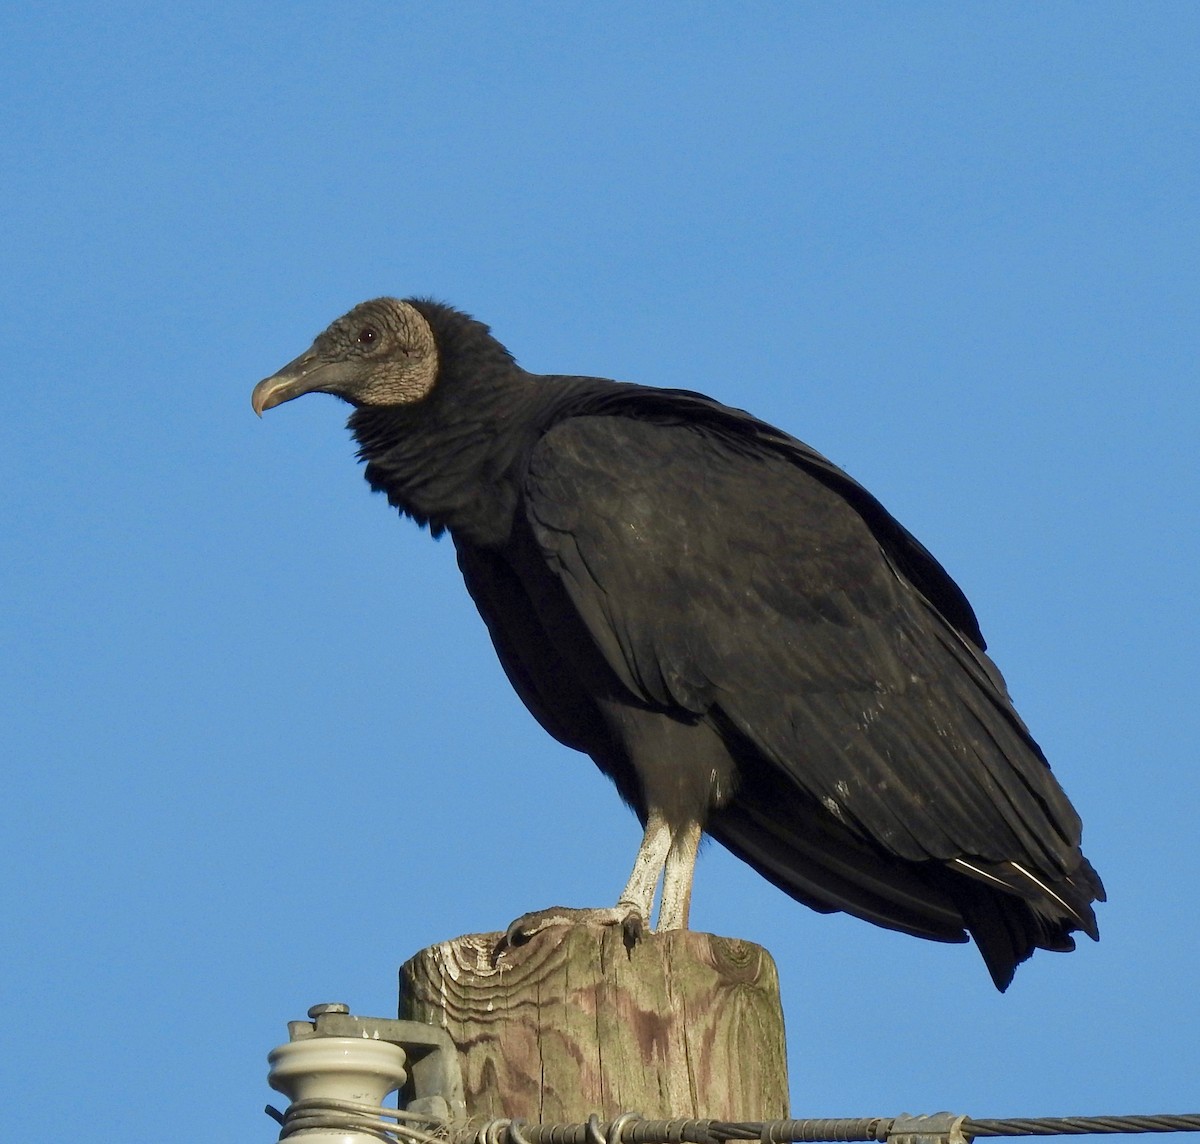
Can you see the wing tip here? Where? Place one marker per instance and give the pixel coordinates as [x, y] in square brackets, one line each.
[1011, 911]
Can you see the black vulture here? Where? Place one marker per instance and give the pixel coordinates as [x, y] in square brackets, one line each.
[738, 634]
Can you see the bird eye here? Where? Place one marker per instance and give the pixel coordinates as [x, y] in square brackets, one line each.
[367, 335]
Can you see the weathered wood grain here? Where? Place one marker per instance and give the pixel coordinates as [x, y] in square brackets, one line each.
[683, 1024]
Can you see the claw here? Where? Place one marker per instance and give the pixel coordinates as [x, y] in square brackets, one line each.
[523, 929]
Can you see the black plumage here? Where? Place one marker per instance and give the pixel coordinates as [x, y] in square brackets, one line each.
[734, 630]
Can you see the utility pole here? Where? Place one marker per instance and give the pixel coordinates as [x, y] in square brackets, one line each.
[678, 1024]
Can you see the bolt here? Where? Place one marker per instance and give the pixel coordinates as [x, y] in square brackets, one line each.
[330, 1007]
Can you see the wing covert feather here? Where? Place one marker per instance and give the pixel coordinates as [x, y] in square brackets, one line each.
[732, 583]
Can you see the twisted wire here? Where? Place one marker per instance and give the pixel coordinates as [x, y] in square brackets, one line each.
[352, 1116]
[1082, 1125]
[629, 1129]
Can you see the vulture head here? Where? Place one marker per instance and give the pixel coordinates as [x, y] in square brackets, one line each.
[381, 353]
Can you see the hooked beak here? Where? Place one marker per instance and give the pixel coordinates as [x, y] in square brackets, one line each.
[296, 378]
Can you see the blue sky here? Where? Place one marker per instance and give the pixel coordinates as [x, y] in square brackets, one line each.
[257, 748]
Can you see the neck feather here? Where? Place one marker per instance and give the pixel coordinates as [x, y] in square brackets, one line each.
[454, 460]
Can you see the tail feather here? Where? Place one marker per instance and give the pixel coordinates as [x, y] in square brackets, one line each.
[1009, 908]
[828, 869]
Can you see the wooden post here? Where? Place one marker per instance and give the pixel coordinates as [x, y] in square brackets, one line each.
[682, 1024]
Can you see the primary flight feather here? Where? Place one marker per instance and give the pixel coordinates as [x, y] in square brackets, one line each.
[738, 634]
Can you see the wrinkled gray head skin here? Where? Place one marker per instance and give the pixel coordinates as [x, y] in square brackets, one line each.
[380, 353]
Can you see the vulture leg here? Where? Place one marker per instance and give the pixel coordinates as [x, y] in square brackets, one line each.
[632, 912]
[677, 878]
[653, 854]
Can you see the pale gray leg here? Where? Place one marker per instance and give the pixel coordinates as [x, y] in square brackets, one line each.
[632, 911]
[677, 878]
[652, 855]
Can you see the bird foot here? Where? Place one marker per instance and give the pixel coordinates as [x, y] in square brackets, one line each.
[632, 921]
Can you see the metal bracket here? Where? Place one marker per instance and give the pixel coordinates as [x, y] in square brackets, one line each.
[434, 1087]
[939, 1128]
